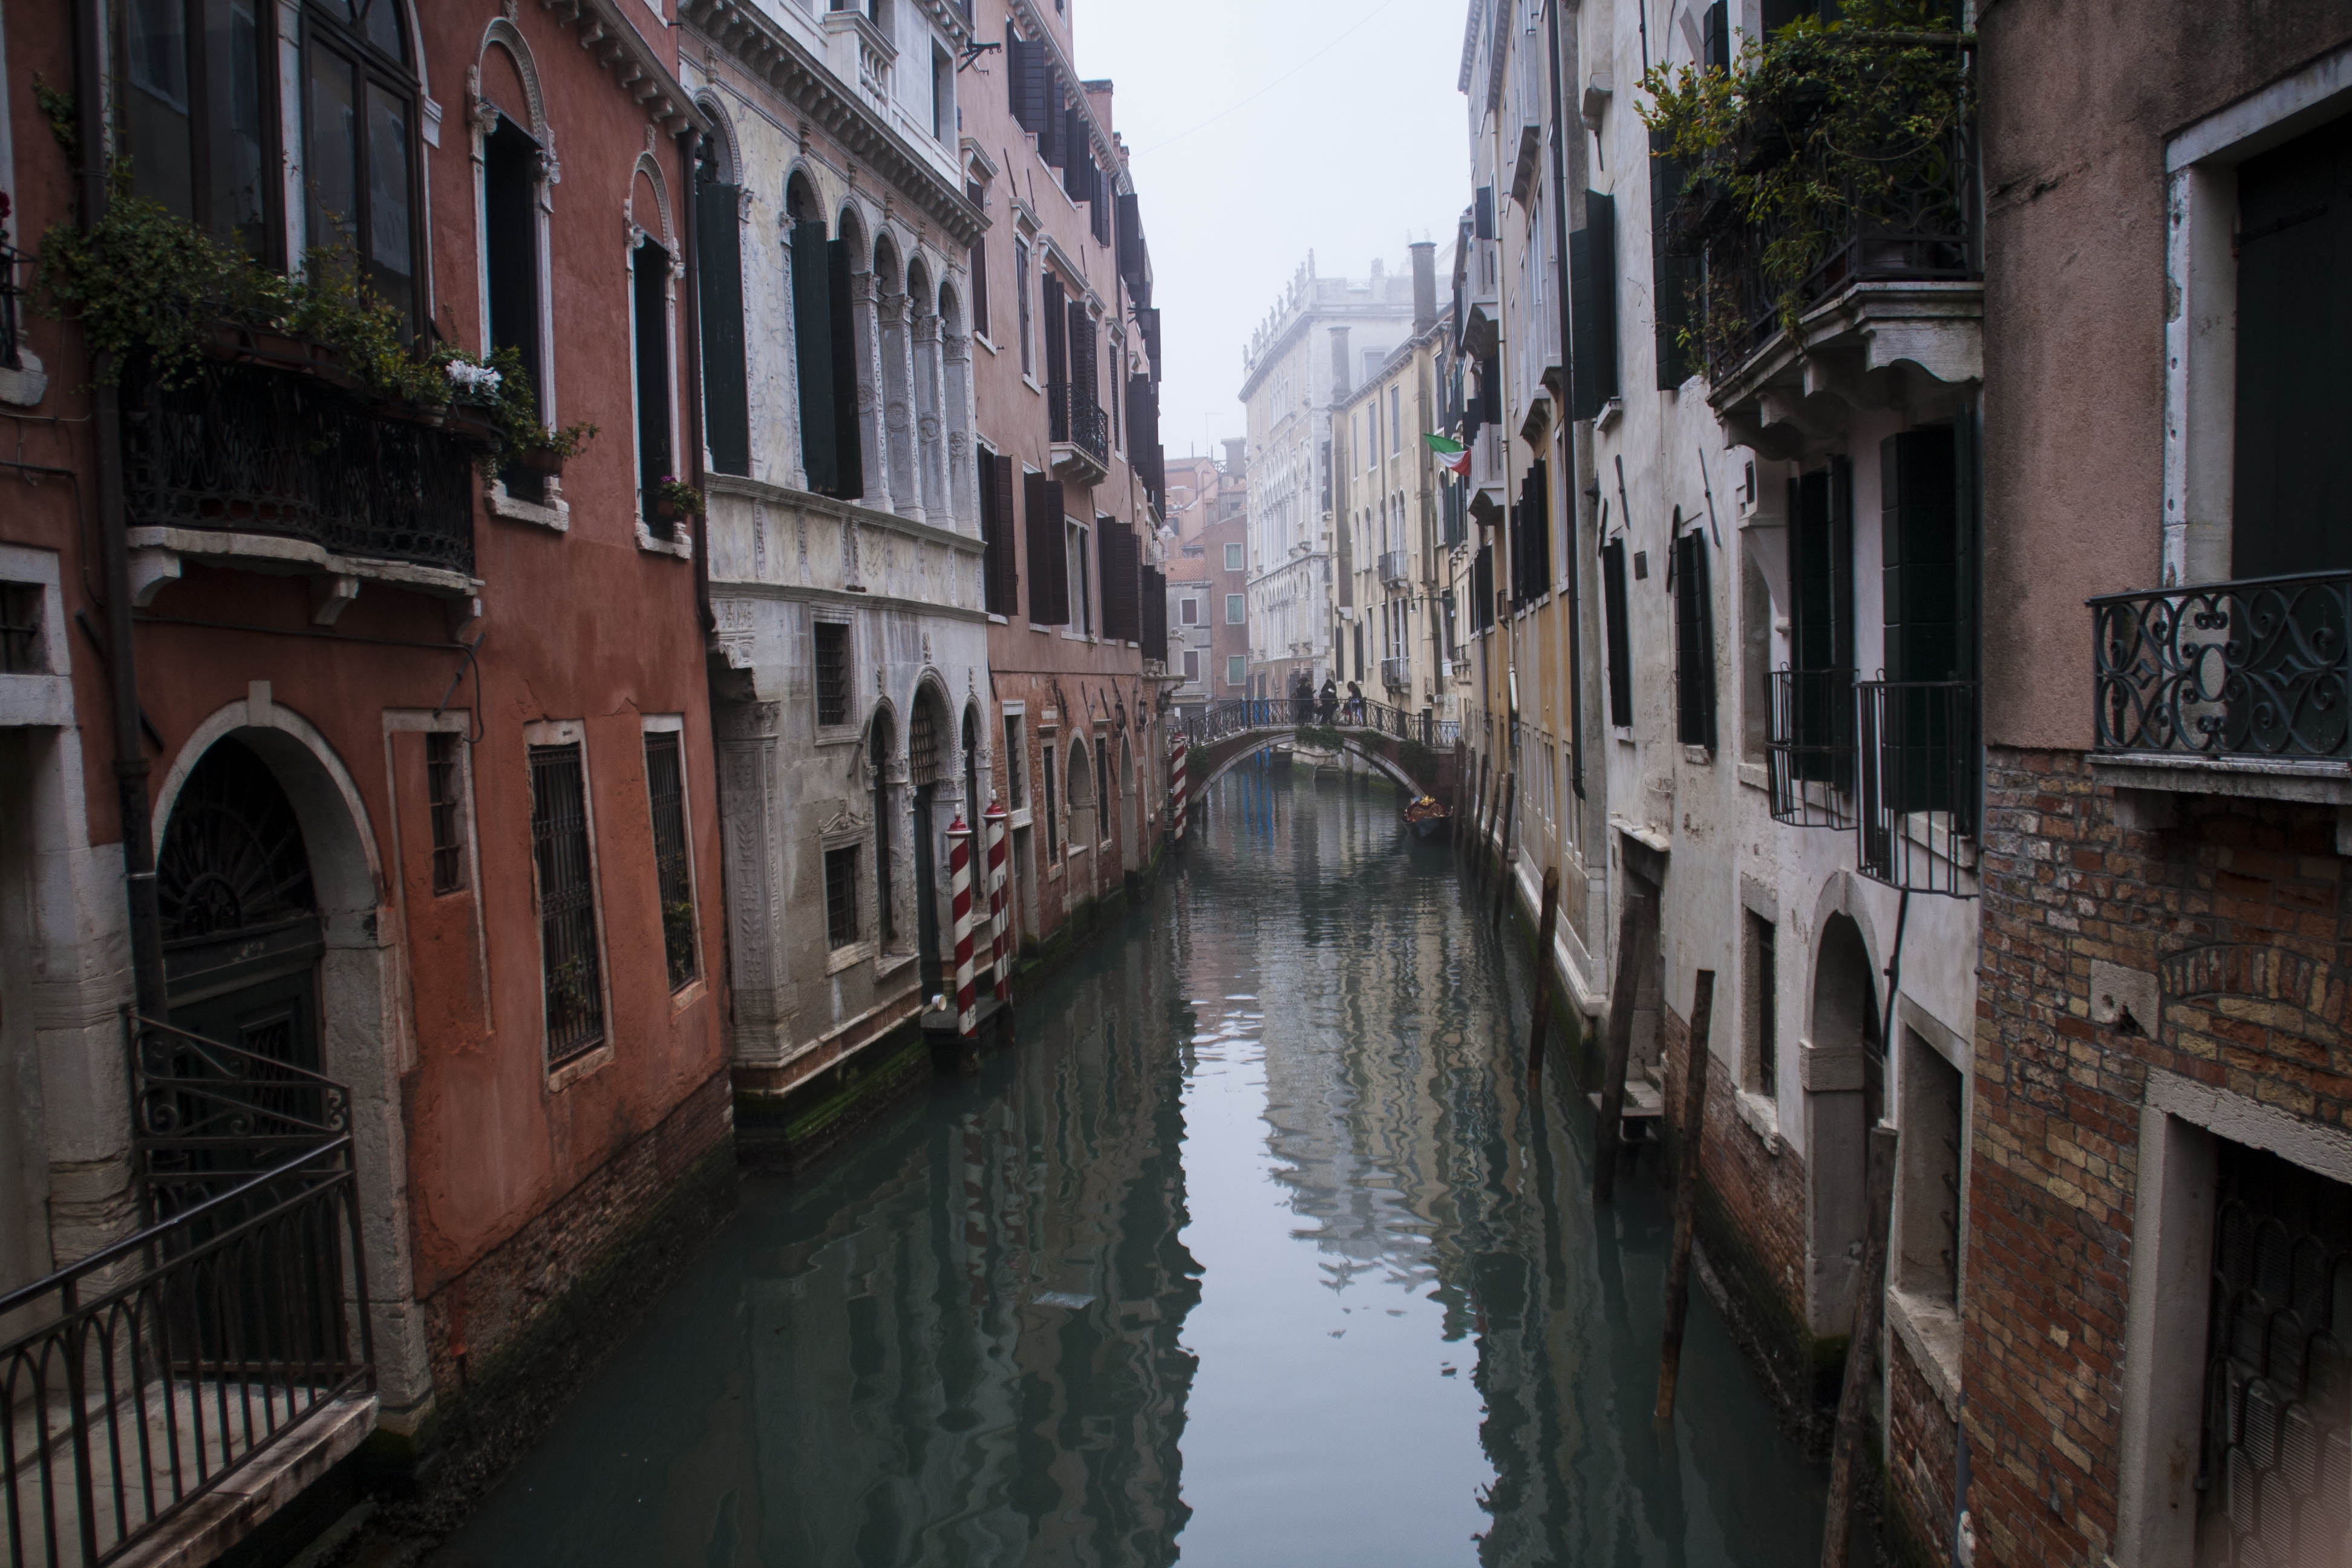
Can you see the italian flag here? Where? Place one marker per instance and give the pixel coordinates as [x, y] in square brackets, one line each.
[1451, 454]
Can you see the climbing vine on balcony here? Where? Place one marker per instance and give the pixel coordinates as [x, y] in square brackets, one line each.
[1819, 125]
[150, 288]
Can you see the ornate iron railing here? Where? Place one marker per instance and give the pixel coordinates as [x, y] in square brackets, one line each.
[242, 447]
[1239, 715]
[206, 1114]
[1073, 416]
[157, 1368]
[1921, 778]
[1809, 747]
[1924, 228]
[2255, 668]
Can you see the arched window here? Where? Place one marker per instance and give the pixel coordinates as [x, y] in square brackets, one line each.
[825, 355]
[719, 250]
[360, 167]
[1082, 798]
[198, 113]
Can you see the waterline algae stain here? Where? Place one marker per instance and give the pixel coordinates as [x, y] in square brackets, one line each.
[1252, 1249]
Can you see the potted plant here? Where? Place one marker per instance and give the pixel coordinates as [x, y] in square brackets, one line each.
[675, 500]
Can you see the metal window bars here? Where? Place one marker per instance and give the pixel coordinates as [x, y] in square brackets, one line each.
[665, 791]
[12, 296]
[1809, 747]
[571, 966]
[1921, 785]
[2251, 668]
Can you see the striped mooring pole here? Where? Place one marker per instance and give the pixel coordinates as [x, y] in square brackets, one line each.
[959, 890]
[1176, 786]
[999, 930]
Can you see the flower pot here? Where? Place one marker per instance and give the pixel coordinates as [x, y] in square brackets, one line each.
[538, 460]
[669, 511]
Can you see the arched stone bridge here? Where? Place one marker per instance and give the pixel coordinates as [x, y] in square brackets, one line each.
[1414, 750]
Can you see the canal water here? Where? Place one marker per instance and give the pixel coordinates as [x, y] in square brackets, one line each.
[1252, 1250]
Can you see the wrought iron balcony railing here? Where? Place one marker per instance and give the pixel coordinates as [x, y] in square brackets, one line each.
[243, 449]
[1809, 747]
[2255, 668]
[1921, 783]
[1072, 417]
[1396, 568]
[1396, 674]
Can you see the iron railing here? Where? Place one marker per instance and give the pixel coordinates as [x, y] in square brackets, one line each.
[206, 1115]
[1396, 673]
[12, 295]
[2255, 669]
[1921, 780]
[241, 448]
[1809, 747]
[1924, 228]
[1073, 416]
[1396, 568]
[1219, 719]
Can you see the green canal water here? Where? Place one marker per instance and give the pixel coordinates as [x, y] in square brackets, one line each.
[1252, 1250]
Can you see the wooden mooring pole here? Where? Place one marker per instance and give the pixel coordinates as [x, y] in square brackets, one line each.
[1485, 807]
[1637, 930]
[1544, 927]
[1692, 1132]
[1861, 1355]
[1503, 843]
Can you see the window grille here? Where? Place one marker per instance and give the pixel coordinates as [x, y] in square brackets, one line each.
[21, 651]
[922, 746]
[1016, 777]
[832, 673]
[841, 895]
[673, 871]
[572, 968]
[441, 787]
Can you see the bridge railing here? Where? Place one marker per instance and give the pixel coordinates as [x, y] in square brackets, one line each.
[1239, 715]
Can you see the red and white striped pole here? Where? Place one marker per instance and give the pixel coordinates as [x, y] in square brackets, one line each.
[1000, 932]
[1176, 784]
[959, 890]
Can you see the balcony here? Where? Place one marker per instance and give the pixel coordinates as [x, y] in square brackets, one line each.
[1080, 432]
[1396, 674]
[1896, 296]
[2231, 688]
[1396, 568]
[1809, 747]
[1921, 783]
[283, 471]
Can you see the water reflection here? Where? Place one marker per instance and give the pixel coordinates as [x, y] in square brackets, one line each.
[1254, 1250]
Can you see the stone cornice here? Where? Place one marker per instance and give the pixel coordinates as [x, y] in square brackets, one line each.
[617, 46]
[785, 64]
[864, 517]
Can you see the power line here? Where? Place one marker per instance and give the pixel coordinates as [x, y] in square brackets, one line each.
[1277, 81]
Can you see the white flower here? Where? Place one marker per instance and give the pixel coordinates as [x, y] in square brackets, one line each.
[466, 376]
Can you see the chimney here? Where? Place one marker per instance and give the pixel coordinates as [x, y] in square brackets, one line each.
[1236, 456]
[1424, 287]
[1340, 384]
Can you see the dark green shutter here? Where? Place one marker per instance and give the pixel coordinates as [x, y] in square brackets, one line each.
[1592, 307]
[849, 450]
[1049, 570]
[1620, 636]
[1671, 276]
[1920, 541]
[1694, 642]
[719, 257]
[1821, 622]
[649, 284]
[1535, 523]
[813, 357]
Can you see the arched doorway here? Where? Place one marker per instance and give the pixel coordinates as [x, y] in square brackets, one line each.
[1849, 1068]
[879, 739]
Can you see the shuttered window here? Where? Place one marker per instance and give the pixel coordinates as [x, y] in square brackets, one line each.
[1057, 326]
[1592, 306]
[1482, 589]
[1821, 624]
[719, 260]
[649, 293]
[1530, 537]
[1927, 731]
[1694, 642]
[1002, 580]
[1119, 566]
[1619, 634]
[978, 196]
[510, 164]
[1049, 577]
[1673, 278]
[813, 357]
[1154, 606]
[1085, 384]
[849, 460]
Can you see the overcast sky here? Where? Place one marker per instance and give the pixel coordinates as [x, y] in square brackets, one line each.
[1350, 153]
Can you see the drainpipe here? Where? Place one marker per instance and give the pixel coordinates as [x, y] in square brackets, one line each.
[131, 767]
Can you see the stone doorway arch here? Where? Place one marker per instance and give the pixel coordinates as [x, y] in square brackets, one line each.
[1845, 1093]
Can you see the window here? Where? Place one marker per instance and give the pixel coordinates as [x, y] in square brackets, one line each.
[673, 865]
[510, 176]
[1049, 554]
[1021, 292]
[1053, 811]
[841, 896]
[824, 352]
[978, 193]
[1396, 418]
[718, 258]
[443, 801]
[1694, 643]
[1760, 1004]
[196, 122]
[360, 176]
[1000, 570]
[649, 295]
[1234, 558]
[24, 642]
[571, 964]
[1188, 612]
[1081, 604]
[1016, 765]
[1928, 1262]
[943, 113]
[1618, 633]
[1820, 626]
[1192, 664]
[1234, 614]
[832, 673]
[1592, 307]
[1236, 670]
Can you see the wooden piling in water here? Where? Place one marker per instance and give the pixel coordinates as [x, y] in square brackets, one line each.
[1693, 1132]
[1485, 811]
[1860, 1356]
[1503, 843]
[1636, 931]
[1544, 927]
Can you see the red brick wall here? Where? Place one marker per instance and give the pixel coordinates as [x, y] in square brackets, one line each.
[1919, 1455]
[2239, 908]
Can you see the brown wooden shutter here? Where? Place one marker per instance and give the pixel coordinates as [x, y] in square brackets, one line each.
[1049, 570]
[1001, 575]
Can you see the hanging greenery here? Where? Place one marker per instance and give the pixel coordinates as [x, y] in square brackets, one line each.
[149, 288]
[1820, 130]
